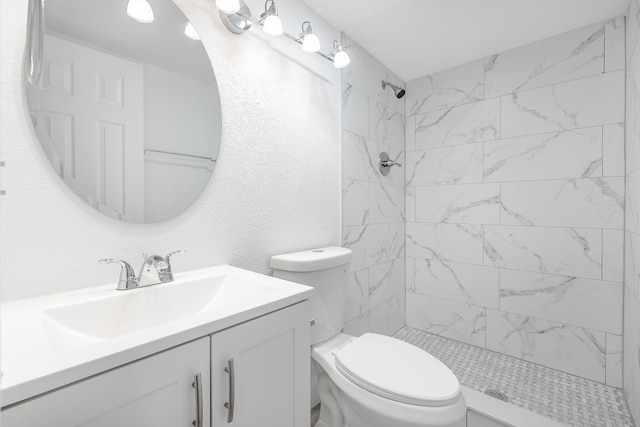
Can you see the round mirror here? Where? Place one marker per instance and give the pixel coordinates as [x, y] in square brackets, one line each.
[126, 107]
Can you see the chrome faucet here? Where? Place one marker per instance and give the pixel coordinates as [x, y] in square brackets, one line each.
[154, 270]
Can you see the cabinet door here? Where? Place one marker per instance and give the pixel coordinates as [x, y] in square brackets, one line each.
[263, 367]
[156, 391]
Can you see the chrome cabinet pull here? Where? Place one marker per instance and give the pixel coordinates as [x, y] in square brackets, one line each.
[230, 405]
[197, 384]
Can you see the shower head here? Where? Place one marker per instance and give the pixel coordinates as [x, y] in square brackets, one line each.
[397, 90]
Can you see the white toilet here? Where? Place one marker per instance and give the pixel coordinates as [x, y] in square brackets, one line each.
[372, 380]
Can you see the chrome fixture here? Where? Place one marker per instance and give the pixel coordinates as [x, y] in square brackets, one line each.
[384, 163]
[396, 89]
[310, 41]
[240, 21]
[270, 21]
[35, 41]
[154, 270]
[339, 56]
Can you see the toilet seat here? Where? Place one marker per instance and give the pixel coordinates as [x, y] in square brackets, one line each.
[397, 370]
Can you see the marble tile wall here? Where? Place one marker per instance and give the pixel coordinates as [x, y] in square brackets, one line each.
[631, 339]
[373, 206]
[515, 199]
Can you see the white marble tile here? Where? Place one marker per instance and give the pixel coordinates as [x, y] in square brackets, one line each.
[386, 203]
[470, 284]
[613, 255]
[450, 319]
[459, 85]
[570, 349]
[632, 206]
[614, 360]
[631, 354]
[379, 319]
[631, 339]
[460, 164]
[410, 203]
[396, 241]
[386, 280]
[369, 243]
[590, 101]
[365, 72]
[566, 154]
[386, 126]
[410, 275]
[355, 110]
[462, 124]
[569, 56]
[397, 313]
[358, 326]
[614, 35]
[445, 242]
[632, 264]
[466, 203]
[587, 202]
[410, 133]
[355, 202]
[565, 251]
[587, 303]
[633, 93]
[359, 157]
[632, 123]
[357, 294]
[613, 150]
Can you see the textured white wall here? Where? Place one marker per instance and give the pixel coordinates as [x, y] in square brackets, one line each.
[276, 187]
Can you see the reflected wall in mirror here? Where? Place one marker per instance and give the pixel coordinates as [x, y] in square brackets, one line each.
[127, 112]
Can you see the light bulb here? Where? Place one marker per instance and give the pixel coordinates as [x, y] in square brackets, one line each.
[228, 6]
[341, 59]
[311, 43]
[190, 32]
[273, 26]
[140, 10]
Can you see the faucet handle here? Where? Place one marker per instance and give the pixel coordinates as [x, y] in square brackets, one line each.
[178, 252]
[127, 278]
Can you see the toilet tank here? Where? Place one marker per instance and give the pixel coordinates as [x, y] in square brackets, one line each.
[327, 270]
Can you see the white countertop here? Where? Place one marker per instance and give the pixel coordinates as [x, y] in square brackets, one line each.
[38, 355]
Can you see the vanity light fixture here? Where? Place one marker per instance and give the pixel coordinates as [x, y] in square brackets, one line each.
[228, 6]
[310, 41]
[140, 10]
[271, 23]
[240, 21]
[190, 32]
[340, 57]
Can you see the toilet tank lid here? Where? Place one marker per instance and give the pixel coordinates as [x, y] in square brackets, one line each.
[312, 260]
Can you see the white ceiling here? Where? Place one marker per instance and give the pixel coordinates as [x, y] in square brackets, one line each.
[414, 38]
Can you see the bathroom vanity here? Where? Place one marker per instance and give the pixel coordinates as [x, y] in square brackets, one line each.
[136, 358]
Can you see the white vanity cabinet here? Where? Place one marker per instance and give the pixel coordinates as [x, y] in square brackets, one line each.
[258, 368]
[158, 391]
[260, 371]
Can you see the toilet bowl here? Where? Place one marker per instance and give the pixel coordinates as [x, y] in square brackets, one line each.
[405, 387]
[372, 380]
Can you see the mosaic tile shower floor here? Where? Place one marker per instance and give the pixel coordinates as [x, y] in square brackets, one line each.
[562, 397]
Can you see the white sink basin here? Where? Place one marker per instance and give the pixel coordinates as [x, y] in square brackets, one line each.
[129, 311]
[51, 341]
